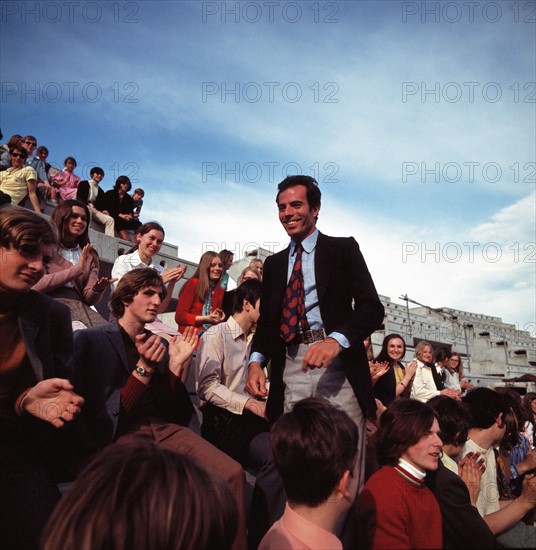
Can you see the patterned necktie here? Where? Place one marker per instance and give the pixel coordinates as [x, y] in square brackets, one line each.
[294, 302]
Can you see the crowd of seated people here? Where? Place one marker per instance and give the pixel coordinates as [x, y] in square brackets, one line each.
[27, 177]
[88, 407]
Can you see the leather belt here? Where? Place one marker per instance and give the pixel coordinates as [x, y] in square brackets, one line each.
[308, 337]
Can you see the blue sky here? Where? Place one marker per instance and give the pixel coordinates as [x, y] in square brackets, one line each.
[418, 120]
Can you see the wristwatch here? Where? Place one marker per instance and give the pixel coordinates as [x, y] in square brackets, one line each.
[142, 371]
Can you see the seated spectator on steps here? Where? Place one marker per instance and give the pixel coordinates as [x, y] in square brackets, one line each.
[487, 428]
[37, 401]
[518, 456]
[453, 371]
[131, 381]
[89, 192]
[314, 448]
[45, 187]
[258, 265]
[120, 206]
[30, 144]
[20, 181]
[137, 197]
[149, 239]
[227, 261]
[66, 180]
[5, 159]
[397, 380]
[428, 382]
[247, 274]
[72, 275]
[457, 485]
[396, 509]
[107, 507]
[201, 298]
[529, 412]
[234, 421]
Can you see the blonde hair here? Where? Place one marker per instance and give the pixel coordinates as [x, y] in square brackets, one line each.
[420, 347]
[201, 273]
[245, 271]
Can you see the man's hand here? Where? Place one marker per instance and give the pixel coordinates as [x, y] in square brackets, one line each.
[151, 350]
[181, 349]
[528, 492]
[256, 407]
[53, 400]
[321, 354]
[470, 469]
[256, 382]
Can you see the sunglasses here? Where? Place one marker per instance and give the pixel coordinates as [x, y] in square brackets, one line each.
[18, 156]
[31, 143]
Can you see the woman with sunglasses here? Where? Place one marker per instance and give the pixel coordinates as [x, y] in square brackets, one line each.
[20, 181]
[201, 298]
[72, 275]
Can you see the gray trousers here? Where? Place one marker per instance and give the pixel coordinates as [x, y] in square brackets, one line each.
[330, 383]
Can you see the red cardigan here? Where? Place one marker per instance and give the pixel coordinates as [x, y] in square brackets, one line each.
[189, 306]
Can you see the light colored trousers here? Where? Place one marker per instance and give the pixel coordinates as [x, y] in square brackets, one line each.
[107, 221]
[330, 383]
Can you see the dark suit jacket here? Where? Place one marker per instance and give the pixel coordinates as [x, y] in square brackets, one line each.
[348, 302]
[463, 526]
[101, 370]
[45, 326]
[82, 195]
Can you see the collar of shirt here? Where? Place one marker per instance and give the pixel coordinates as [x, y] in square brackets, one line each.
[309, 244]
[449, 463]
[136, 260]
[472, 446]
[235, 330]
[415, 472]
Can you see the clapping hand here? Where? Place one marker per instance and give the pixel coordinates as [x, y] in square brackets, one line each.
[103, 282]
[470, 469]
[173, 274]
[53, 400]
[181, 349]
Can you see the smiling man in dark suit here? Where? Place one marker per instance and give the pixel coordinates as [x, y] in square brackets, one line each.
[319, 304]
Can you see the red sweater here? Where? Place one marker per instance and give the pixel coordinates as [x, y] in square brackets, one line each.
[189, 306]
[396, 510]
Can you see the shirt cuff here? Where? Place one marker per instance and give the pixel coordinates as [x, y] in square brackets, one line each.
[257, 357]
[238, 403]
[341, 338]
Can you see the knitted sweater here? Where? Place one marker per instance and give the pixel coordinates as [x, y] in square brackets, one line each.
[396, 510]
